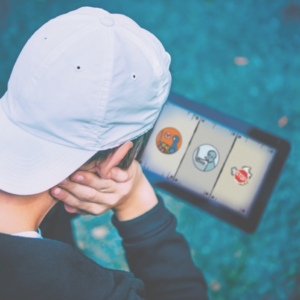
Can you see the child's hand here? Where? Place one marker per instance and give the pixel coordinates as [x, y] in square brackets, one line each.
[128, 193]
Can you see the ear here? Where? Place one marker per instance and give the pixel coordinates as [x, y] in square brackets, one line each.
[104, 170]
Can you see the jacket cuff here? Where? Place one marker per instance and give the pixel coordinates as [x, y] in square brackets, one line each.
[146, 225]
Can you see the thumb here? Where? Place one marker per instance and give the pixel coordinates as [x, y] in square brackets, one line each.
[119, 175]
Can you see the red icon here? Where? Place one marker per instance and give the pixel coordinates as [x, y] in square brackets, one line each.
[241, 176]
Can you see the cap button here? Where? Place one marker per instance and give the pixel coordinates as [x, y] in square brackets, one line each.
[106, 21]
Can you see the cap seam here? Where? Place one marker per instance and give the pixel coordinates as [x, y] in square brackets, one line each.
[103, 101]
[152, 59]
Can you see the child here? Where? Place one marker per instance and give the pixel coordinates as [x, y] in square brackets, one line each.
[84, 92]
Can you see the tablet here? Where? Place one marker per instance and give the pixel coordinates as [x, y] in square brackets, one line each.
[219, 164]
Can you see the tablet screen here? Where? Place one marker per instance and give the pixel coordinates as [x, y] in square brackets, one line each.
[207, 158]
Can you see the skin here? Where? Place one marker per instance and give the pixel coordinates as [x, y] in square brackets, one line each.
[103, 187]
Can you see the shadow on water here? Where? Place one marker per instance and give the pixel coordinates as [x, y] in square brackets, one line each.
[291, 12]
[4, 13]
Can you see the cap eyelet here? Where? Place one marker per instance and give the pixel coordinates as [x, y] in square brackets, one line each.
[133, 76]
[78, 69]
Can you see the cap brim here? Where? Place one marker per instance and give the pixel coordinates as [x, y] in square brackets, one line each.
[30, 165]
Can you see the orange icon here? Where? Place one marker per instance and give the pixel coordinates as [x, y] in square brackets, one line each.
[168, 140]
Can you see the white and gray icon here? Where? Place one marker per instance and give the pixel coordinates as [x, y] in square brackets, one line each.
[206, 158]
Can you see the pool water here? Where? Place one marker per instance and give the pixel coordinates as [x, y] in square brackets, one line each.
[241, 58]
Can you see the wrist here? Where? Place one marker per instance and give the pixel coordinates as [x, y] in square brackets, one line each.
[141, 200]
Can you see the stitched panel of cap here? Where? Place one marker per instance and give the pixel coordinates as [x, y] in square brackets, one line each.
[103, 99]
[47, 62]
[151, 57]
[57, 51]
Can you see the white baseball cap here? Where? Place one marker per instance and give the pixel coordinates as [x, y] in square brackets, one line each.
[85, 81]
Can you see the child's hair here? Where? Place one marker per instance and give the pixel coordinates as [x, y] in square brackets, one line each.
[129, 157]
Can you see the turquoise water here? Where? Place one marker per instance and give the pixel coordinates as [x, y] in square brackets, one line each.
[203, 38]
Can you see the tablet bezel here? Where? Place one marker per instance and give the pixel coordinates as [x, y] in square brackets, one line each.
[248, 223]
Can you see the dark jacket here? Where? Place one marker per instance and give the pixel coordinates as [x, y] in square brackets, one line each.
[157, 255]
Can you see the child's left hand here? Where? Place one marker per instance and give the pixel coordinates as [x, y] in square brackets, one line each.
[127, 192]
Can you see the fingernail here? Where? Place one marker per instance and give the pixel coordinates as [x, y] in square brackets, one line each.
[79, 178]
[63, 182]
[57, 191]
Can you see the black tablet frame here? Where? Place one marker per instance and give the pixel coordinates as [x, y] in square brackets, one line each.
[248, 223]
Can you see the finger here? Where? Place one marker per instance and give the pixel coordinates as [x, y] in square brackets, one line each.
[73, 210]
[119, 175]
[91, 180]
[86, 193]
[93, 209]
[72, 203]
[81, 194]
[89, 196]
[70, 209]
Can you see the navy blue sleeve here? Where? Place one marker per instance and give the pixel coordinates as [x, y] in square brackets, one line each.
[160, 256]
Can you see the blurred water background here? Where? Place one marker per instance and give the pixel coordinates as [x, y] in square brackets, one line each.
[242, 58]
